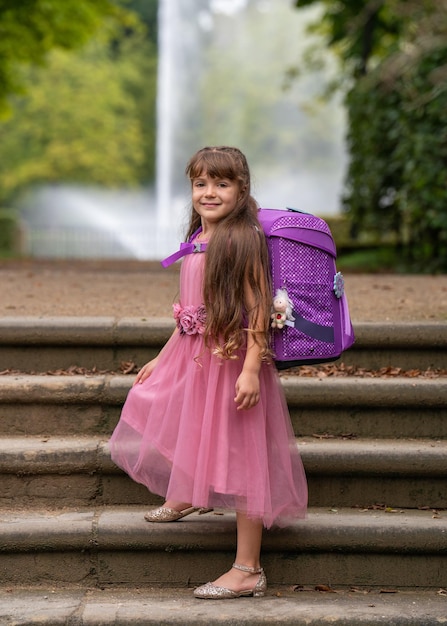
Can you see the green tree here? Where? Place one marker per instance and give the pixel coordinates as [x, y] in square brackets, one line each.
[357, 30]
[30, 29]
[395, 61]
[144, 90]
[82, 120]
[147, 11]
[398, 145]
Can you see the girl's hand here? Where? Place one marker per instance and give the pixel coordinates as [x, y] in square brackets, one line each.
[145, 371]
[247, 390]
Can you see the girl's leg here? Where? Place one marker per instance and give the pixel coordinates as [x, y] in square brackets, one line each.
[179, 506]
[249, 539]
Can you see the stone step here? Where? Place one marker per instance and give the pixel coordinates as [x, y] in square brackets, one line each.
[56, 472]
[345, 548]
[40, 344]
[362, 407]
[48, 606]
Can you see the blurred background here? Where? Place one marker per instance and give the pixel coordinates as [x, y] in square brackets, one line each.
[339, 106]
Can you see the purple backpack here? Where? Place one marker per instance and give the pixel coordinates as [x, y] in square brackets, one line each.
[310, 315]
[310, 318]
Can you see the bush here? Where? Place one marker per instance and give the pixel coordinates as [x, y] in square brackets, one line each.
[9, 233]
[398, 145]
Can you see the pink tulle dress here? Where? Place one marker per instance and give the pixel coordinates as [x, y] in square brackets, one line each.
[181, 435]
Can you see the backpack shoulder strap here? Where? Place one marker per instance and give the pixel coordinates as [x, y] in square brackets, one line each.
[185, 248]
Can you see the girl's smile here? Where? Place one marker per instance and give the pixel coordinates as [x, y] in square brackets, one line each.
[214, 198]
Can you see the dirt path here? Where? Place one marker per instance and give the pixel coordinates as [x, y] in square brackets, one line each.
[145, 289]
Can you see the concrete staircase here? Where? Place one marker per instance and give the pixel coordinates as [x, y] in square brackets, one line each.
[74, 548]
[40, 344]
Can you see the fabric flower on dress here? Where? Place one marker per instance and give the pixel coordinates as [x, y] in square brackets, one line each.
[190, 319]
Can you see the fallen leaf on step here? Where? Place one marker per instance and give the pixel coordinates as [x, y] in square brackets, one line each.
[324, 589]
[357, 590]
[341, 369]
[388, 591]
[128, 367]
[371, 507]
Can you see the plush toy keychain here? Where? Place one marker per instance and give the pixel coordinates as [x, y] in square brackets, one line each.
[282, 309]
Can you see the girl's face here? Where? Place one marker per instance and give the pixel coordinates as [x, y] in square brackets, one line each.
[214, 198]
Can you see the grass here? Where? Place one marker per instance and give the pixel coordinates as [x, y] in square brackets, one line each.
[370, 260]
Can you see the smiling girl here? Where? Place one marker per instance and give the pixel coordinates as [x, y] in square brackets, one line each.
[206, 424]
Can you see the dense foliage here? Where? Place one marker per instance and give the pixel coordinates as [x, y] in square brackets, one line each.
[85, 115]
[398, 146]
[80, 122]
[29, 29]
[395, 56]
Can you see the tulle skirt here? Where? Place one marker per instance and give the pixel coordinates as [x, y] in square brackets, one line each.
[181, 435]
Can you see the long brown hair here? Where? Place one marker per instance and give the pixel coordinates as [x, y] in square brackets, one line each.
[236, 259]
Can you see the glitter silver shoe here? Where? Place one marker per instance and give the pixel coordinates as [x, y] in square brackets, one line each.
[165, 514]
[213, 592]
